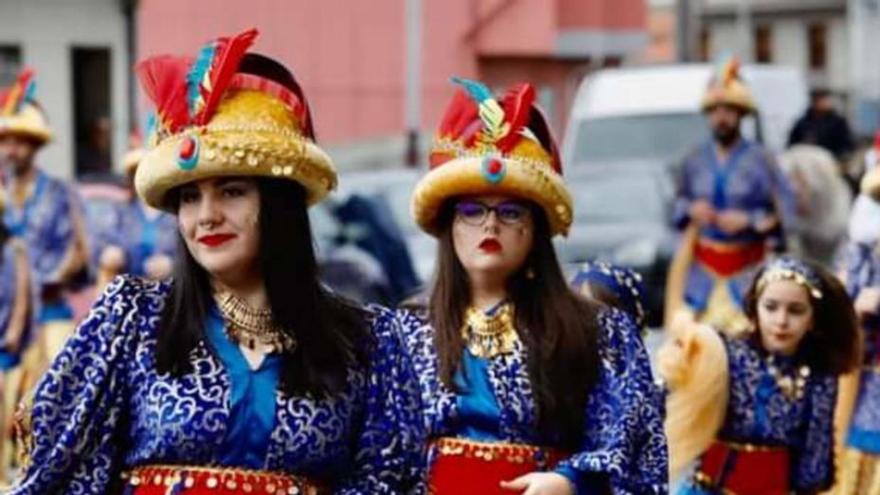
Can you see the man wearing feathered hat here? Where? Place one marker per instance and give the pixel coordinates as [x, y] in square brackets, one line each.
[733, 204]
[41, 210]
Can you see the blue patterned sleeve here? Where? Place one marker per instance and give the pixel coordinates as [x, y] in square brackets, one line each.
[681, 214]
[813, 461]
[390, 446]
[624, 442]
[79, 402]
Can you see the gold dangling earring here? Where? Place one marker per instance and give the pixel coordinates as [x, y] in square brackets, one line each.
[530, 273]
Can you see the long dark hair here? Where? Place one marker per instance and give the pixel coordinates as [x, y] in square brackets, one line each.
[559, 329]
[331, 333]
[833, 344]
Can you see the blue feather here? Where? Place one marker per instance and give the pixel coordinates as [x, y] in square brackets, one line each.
[477, 90]
[150, 127]
[196, 75]
[30, 91]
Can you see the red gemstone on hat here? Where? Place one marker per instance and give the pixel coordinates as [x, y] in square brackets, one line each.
[187, 148]
[494, 166]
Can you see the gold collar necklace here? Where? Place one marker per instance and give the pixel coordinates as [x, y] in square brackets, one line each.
[487, 336]
[251, 327]
[792, 386]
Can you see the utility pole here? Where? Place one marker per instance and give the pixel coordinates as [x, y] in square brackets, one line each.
[744, 30]
[683, 31]
[413, 100]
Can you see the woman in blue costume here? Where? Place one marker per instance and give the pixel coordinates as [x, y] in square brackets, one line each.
[15, 323]
[860, 469]
[758, 410]
[134, 238]
[242, 374]
[616, 286]
[526, 387]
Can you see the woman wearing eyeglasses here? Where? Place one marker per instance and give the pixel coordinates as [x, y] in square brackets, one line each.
[525, 387]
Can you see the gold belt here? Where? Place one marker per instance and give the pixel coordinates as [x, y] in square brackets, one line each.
[218, 478]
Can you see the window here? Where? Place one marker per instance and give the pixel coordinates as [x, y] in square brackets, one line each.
[91, 110]
[703, 45]
[817, 35]
[10, 64]
[763, 44]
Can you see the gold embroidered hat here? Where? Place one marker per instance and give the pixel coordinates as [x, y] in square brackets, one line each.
[20, 114]
[486, 146]
[726, 88]
[214, 120]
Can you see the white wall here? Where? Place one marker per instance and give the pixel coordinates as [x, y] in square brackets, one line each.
[45, 31]
[790, 43]
[838, 55]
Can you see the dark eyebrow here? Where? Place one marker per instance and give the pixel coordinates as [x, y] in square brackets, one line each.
[222, 181]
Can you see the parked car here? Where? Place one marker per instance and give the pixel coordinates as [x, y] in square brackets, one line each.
[622, 216]
[627, 135]
[653, 113]
[368, 219]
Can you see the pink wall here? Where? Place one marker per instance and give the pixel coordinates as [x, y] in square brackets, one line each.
[349, 55]
[602, 14]
[519, 27]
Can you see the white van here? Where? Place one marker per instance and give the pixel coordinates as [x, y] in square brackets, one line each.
[653, 113]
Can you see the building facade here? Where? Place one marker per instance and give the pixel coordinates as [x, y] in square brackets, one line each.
[351, 57]
[79, 51]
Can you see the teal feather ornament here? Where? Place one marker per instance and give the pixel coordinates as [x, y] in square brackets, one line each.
[211, 73]
[495, 126]
[197, 77]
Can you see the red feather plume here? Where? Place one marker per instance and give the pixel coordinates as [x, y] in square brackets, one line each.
[228, 53]
[12, 97]
[517, 104]
[461, 112]
[164, 81]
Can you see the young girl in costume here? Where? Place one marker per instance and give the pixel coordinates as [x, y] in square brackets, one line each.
[757, 411]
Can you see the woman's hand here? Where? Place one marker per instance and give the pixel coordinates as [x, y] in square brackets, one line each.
[112, 259]
[540, 484]
[158, 267]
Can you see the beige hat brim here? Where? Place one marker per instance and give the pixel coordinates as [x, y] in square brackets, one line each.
[465, 176]
[235, 154]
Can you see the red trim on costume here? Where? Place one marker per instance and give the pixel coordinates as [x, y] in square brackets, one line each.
[729, 261]
[467, 467]
[194, 480]
[745, 469]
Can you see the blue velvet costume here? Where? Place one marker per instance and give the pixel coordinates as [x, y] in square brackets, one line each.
[623, 439]
[128, 227]
[863, 270]
[103, 408]
[758, 413]
[750, 181]
[45, 223]
[8, 288]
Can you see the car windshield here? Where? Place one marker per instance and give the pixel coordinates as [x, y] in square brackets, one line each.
[618, 198]
[398, 198]
[663, 137]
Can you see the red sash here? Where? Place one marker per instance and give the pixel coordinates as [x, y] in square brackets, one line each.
[467, 467]
[744, 469]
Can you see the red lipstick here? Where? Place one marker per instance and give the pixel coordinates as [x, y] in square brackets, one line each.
[215, 240]
[491, 246]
